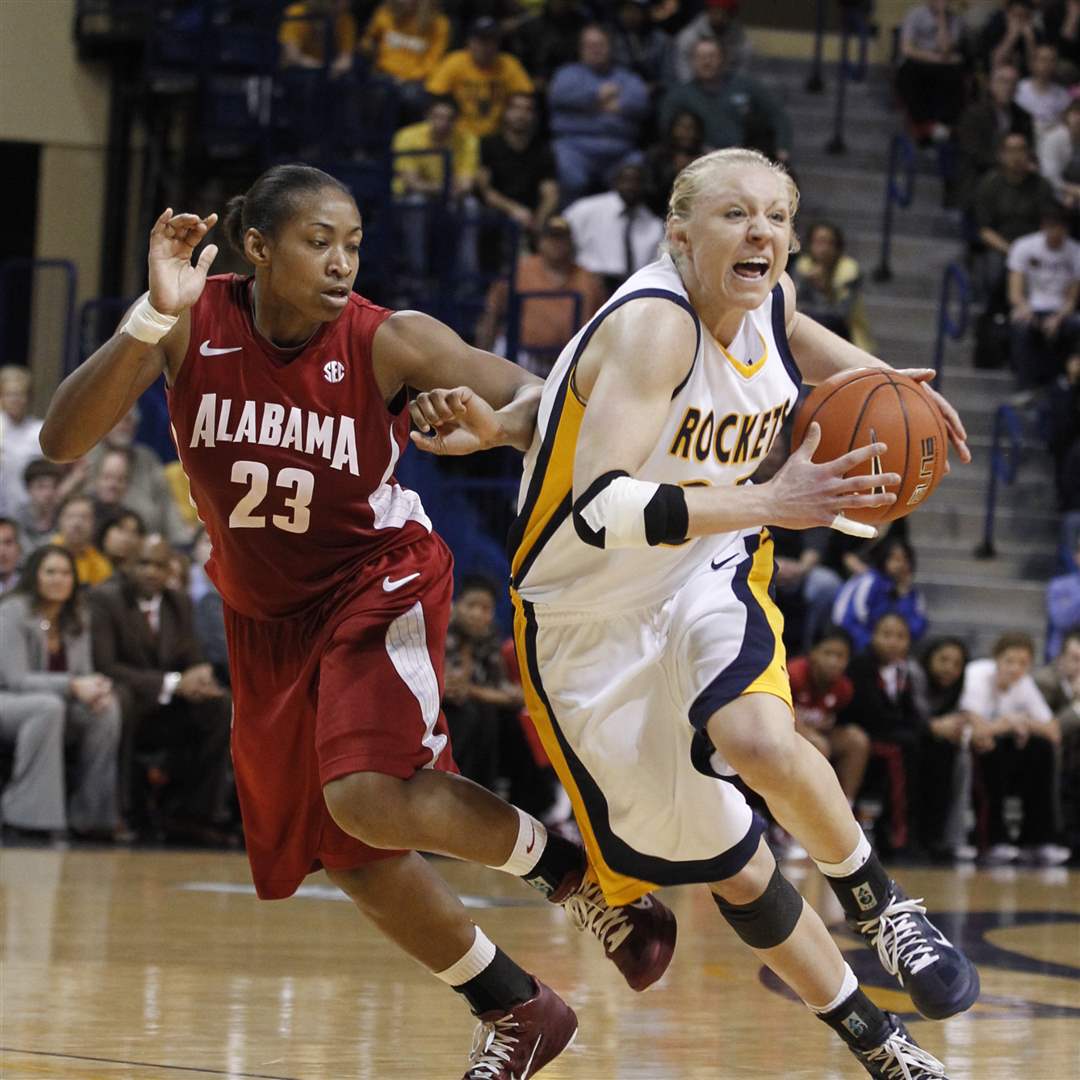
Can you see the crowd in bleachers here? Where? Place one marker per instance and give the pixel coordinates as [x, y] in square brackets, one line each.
[566, 123]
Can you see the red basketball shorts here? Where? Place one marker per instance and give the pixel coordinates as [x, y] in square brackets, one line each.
[353, 686]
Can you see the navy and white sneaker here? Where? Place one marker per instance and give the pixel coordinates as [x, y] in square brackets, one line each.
[899, 1056]
[940, 979]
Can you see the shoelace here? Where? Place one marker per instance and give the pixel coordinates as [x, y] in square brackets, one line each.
[899, 939]
[588, 910]
[897, 1053]
[492, 1048]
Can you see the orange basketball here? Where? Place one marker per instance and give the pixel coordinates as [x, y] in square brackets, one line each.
[856, 408]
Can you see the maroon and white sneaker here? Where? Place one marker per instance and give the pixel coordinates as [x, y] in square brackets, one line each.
[518, 1044]
[638, 938]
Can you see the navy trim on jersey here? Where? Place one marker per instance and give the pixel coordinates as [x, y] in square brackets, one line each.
[758, 647]
[617, 853]
[779, 329]
[517, 527]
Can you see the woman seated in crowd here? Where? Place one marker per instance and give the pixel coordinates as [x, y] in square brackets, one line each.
[1009, 711]
[950, 738]
[888, 587]
[50, 695]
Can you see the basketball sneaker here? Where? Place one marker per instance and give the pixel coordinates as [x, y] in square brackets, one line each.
[940, 979]
[638, 938]
[518, 1044]
[899, 1057]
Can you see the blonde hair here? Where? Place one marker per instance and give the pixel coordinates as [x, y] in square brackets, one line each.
[695, 180]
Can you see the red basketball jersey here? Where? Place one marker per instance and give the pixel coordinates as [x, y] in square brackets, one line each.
[290, 455]
[813, 707]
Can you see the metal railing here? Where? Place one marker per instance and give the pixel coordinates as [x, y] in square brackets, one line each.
[1005, 456]
[854, 23]
[954, 283]
[815, 82]
[899, 191]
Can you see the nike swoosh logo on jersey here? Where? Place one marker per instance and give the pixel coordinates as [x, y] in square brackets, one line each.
[723, 562]
[391, 586]
[532, 840]
[206, 349]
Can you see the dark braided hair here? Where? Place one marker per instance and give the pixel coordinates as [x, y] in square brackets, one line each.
[273, 199]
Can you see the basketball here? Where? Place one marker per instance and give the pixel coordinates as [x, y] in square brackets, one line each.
[859, 407]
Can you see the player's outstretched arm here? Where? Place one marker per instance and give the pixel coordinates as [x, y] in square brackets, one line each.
[821, 353]
[152, 338]
[490, 401]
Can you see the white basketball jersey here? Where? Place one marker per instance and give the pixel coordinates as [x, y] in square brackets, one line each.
[721, 422]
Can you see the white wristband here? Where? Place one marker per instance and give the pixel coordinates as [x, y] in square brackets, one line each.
[147, 324]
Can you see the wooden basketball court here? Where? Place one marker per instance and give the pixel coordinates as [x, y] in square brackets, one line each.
[133, 965]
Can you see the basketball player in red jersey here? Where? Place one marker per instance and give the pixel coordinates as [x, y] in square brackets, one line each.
[287, 396]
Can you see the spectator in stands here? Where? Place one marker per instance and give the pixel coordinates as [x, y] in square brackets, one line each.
[517, 174]
[303, 34]
[406, 39]
[1007, 204]
[1044, 284]
[1061, 21]
[75, 531]
[887, 703]
[683, 142]
[145, 642]
[640, 46]
[888, 587]
[946, 761]
[1011, 35]
[148, 491]
[10, 555]
[981, 127]
[1042, 95]
[36, 517]
[597, 112]
[480, 78]
[737, 110]
[1063, 605]
[718, 22]
[544, 326]
[549, 38]
[1059, 683]
[51, 695]
[829, 284]
[931, 79]
[615, 233]
[118, 537]
[1059, 157]
[1006, 705]
[477, 685]
[109, 483]
[820, 689]
[18, 435]
[423, 175]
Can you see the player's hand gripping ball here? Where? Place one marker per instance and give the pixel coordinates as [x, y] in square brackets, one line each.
[868, 405]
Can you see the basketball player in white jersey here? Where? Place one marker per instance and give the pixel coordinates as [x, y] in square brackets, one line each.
[649, 642]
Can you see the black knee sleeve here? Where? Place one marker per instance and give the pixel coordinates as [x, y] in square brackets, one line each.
[769, 920]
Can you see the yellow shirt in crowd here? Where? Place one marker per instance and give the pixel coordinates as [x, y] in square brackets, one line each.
[92, 567]
[481, 93]
[407, 50]
[309, 34]
[464, 155]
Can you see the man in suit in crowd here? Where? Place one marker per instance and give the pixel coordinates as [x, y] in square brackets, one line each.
[144, 641]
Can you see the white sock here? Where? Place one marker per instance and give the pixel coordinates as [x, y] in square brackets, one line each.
[530, 844]
[479, 956]
[847, 988]
[859, 857]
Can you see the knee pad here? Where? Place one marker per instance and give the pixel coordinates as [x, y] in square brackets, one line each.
[769, 920]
